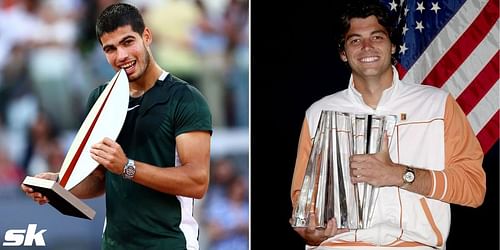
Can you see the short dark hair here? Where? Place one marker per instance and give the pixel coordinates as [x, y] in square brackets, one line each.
[118, 15]
[363, 9]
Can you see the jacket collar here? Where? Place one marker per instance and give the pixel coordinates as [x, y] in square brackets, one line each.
[387, 95]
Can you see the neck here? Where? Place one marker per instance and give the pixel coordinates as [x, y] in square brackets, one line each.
[147, 81]
[372, 88]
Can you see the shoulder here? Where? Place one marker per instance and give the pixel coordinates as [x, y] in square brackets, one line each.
[99, 89]
[424, 102]
[423, 91]
[183, 96]
[180, 88]
[96, 92]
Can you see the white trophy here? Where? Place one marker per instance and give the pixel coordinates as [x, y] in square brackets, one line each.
[105, 119]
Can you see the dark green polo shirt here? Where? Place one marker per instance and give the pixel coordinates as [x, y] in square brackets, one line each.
[139, 217]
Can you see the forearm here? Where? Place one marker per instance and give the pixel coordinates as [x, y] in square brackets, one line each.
[455, 185]
[187, 180]
[423, 180]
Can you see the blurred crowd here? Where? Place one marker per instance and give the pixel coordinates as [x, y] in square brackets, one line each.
[224, 214]
[50, 60]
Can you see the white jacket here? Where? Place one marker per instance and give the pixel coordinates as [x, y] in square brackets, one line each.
[431, 133]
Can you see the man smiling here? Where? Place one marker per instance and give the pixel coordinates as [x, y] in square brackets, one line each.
[160, 161]
[434, 158]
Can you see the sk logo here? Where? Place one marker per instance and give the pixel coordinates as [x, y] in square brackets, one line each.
[16, 237]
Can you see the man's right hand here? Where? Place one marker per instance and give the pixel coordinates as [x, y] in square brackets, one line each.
[36, 196]
[314, 236]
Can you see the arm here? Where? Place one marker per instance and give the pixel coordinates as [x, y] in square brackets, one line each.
[92, 186]
[194, 154]
[461, 182]
[190, 179]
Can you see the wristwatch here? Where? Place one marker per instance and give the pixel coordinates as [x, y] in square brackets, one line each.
[408, 176]
[129, 170]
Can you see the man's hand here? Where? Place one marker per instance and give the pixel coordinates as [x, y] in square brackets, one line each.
[375, 169]
[314, 235]
[36, 196]
[109, 154]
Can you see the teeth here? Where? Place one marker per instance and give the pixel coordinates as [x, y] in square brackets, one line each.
[127, 65]
[369, 59]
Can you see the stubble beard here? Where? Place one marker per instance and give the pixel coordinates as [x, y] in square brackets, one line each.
[147, 61]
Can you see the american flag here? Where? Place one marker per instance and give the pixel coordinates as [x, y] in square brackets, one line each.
[454, 44]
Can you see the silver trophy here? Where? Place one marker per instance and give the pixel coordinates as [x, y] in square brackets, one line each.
[326, 189]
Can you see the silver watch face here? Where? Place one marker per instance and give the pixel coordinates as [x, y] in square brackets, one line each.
[409, 177]
[129, 170]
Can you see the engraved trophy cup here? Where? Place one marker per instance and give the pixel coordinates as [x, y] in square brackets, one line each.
[326, 189]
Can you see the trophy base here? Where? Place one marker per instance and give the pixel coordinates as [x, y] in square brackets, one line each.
[60, 198]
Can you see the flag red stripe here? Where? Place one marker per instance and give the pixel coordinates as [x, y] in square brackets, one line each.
[483, 82]
[71, 167]
[463, 47]
[488, 136]
[401, 70]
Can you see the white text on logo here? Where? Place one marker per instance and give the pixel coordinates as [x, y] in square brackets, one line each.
[16, 237]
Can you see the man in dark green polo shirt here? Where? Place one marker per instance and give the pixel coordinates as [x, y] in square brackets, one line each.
[160, 161]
